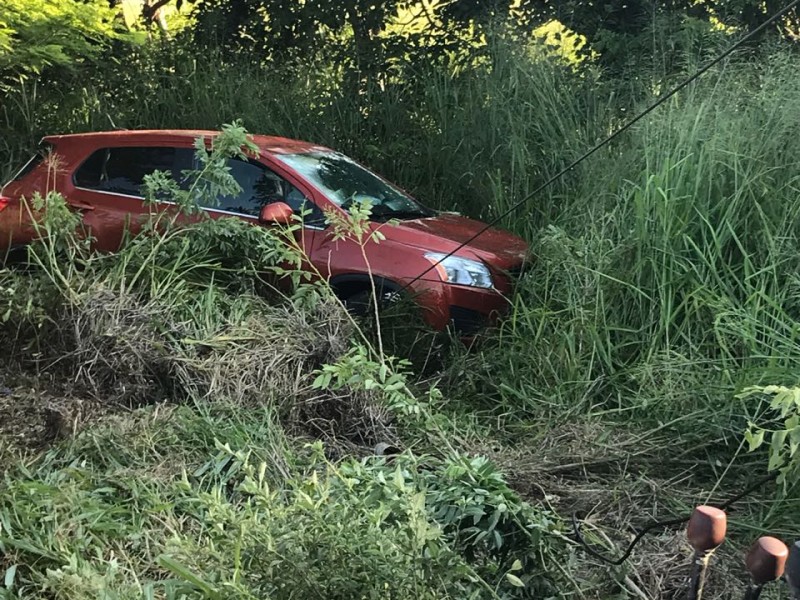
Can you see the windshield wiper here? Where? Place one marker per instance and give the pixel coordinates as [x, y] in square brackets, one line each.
[401, 214]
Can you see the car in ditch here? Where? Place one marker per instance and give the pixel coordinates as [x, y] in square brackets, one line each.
[457, 281]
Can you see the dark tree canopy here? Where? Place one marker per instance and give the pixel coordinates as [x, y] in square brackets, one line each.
[367, 37]
[281, 28]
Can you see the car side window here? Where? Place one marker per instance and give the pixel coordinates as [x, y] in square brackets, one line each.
[261, 186]
[121, 170]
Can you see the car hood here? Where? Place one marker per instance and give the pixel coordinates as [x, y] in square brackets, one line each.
[445, 232]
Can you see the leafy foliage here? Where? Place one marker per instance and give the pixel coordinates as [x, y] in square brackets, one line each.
[665, 280]
[784, 436]
[358, 369]
[376, 37]
[358, 529]
[37, 34]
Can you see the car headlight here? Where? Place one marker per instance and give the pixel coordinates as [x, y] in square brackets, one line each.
[461, 271]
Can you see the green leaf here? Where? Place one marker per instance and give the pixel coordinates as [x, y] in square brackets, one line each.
[399, 480]
[794, 441]
[180, 570]
[754, 439]
[9, 578]
[514, 580]
[775, 462]
[322, 381]
[498, 539]
[778, 438]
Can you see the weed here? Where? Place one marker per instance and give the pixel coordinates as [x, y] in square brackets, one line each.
[665, 283]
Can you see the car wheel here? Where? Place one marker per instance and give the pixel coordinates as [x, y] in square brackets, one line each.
[361, 304]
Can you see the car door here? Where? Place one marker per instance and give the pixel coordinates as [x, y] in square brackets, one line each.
[262, 185]
[108, 188]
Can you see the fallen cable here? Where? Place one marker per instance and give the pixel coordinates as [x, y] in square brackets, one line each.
[612, 136]
[576, 525]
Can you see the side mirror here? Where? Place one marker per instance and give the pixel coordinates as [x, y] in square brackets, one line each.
[276, 212]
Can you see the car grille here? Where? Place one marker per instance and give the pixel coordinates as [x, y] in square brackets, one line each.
[466, 321]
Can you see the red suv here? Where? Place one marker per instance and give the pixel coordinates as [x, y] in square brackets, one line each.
[100, 175]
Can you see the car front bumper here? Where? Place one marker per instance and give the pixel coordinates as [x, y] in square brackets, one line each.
[465, 309]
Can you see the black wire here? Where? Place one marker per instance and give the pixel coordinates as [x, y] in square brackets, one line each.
[608, 139]
[576, 526]
[656, 524]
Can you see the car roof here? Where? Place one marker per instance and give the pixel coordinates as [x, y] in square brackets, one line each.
[271, 144]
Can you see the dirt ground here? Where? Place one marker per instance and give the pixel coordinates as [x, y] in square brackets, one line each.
[31, 418]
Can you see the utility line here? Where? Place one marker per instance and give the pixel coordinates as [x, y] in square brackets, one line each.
[611, 137]
[576, 525]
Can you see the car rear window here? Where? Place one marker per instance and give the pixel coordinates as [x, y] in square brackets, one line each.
[122, 170]
[33, 162]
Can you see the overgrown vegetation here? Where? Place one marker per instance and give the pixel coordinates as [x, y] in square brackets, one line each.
[235, 455]
[194, 314]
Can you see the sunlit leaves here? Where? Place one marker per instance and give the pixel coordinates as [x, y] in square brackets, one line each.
[783, 432]
[36, 34]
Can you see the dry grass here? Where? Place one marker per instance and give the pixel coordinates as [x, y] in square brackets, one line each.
[351, 422]
[116, 352]
[110, 351]
[274, 350]
[33, 415]
[662, 563]
[617, 482]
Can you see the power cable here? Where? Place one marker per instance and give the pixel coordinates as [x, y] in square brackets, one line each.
[655, 524]
[576, 526]
[611, 137]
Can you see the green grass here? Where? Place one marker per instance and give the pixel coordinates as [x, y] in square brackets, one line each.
[224, 497]
[666, 281]
[675, 285]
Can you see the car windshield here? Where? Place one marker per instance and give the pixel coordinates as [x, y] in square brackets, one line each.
[344, 182]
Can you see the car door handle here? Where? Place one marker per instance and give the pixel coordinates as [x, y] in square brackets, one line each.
[80, 206]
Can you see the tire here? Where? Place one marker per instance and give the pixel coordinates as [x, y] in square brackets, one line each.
[361, 304]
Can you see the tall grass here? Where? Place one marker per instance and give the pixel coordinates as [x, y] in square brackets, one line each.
[666, 273]
[673, 250]
[671, 278]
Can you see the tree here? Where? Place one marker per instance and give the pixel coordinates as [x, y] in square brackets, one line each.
[146, 12]
[38, 34]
